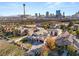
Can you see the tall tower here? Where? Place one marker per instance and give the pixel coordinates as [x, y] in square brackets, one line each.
[24, 9]
[58, 13]
[63, 14]
[39, 15]
[36, 14]
[47, 14]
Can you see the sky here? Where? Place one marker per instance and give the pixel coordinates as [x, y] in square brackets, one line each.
[16, 8]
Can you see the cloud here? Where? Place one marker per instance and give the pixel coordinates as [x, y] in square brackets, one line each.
[57, 3]
[49, 3]
[62, 5]
[73, 2]
[53, 4]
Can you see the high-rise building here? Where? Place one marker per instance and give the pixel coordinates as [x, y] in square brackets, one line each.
[39, 15]
[47, 14]
[36, 14]
[63, 14]
[58, 13]
[51, 15]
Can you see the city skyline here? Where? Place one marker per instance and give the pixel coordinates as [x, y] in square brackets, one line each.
[16, 8]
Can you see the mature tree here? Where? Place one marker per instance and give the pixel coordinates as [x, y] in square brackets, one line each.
[50, 42]
[1, 30]
[77, 32]
[70, 24]
[44, 50]
[63, 27]
[16, 32]
[72, 50]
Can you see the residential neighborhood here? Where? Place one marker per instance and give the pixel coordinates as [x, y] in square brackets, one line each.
[38, 32]
[32, 38]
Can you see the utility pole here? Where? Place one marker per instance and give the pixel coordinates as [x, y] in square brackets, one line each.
[24, 10]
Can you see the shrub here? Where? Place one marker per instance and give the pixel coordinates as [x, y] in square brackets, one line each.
[63, 27]
[77, 32]
[44, 51]
[71, 49]
[24, 40]
[70, 24]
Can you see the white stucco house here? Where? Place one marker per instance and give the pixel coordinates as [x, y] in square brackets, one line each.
[65, 39]
[55, 32]
[40, 31]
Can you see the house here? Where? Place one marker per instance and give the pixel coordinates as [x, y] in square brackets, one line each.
[56, 26]
[75, 27]
[40, 31]
[65, 39]
[24, 31]
[30, 26]
[35, 39]
[55, 32]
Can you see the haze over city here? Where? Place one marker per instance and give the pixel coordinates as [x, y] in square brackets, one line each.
[16, 8]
